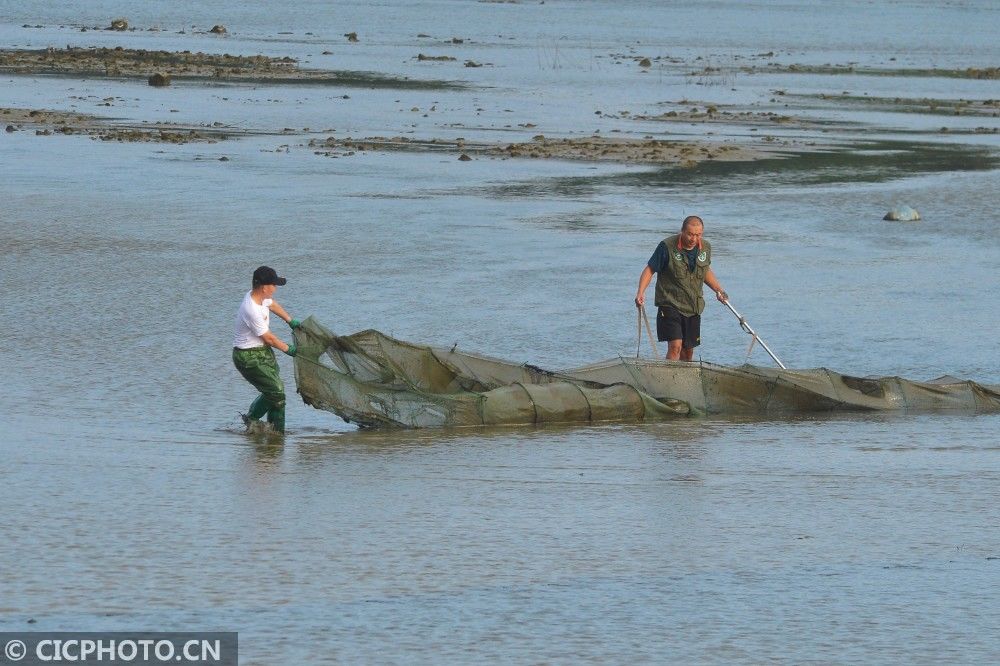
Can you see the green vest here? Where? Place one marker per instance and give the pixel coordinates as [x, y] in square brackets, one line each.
[679, 286]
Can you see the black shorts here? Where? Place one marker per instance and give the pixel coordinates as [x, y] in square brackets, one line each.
[672, 325]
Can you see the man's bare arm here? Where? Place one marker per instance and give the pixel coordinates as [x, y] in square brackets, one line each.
[280, 311]
[644, 280]
[714, 285]
[273, 340]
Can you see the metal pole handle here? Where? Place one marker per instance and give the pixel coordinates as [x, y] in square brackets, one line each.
[746, 327]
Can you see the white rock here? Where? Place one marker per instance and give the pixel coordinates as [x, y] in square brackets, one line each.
[902, 214]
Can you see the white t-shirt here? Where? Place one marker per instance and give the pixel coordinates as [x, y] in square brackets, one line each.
[252, 321]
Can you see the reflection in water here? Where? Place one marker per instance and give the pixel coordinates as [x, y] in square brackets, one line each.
[268, 449]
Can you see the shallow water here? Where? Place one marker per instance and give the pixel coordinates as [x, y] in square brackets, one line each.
[133, 501]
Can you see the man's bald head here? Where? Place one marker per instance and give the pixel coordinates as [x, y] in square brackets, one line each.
[691, 220]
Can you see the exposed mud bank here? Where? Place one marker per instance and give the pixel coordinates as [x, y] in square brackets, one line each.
[47, 122]
[125, 63]
[987, 73]
[588, 149]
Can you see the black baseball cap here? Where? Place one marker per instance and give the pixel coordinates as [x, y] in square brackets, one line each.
[267, 275]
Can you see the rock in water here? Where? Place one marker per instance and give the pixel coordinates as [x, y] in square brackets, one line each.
[159, 80]
[218, 29]
[902, 214]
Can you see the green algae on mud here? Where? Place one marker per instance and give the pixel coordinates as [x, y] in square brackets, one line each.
[122, 63]
[983, 73]
[860, 162]
[923, 105]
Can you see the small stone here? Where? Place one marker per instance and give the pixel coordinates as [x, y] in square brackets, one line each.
[218, 29]
[159, 80]
[351, 36]
[645, 63]
[472, 63]
[11, 128]
[223, 159]
[442, 58]
[464, 158]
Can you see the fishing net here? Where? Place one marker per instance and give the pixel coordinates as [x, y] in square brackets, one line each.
[374, 380]
[748, 389]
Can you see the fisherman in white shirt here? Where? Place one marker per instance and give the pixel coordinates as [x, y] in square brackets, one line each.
[252, 347]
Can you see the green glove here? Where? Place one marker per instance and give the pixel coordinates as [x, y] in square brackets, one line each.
[294, 324]
[291, 351]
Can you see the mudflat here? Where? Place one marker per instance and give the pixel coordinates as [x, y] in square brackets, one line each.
[121, 62]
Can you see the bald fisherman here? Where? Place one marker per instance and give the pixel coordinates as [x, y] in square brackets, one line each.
[682, 264]
[253, 343]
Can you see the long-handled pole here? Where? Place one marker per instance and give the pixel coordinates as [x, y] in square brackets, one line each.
[746, 327]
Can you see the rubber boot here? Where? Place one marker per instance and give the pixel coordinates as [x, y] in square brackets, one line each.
[276, 417]
[258, 408]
